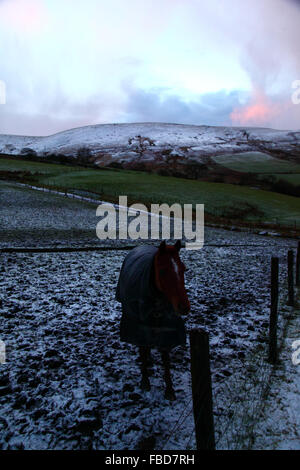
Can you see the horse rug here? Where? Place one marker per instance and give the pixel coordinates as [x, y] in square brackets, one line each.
[148, 319]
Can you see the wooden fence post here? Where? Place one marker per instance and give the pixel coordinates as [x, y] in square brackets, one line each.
[273, 354]
[291, 278]
[298, 266]
[202, 390]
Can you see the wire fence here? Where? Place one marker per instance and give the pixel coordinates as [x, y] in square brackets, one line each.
[238, 400]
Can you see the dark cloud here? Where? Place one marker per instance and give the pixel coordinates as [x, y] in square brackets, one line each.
[158, 106]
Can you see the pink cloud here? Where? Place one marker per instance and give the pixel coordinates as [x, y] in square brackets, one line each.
[25, 16]
[261, 110]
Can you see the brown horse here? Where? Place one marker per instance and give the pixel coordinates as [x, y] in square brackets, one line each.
[153, 296]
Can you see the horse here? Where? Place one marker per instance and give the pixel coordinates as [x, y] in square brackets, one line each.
[153, 296]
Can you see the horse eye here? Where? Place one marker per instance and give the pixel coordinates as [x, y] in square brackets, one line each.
[162, 272]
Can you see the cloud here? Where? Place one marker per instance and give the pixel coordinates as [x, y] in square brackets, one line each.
[57, 114]
[270, 56]
[139, 105]
[217, 62]
[160, 105]
[260, 110]
[277, 111]
[267, 37]
[23, 16]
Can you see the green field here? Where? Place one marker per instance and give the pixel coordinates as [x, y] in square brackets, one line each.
[148, 188]
[290, 178]
[293, 179]
[7, 164]
[256, 162]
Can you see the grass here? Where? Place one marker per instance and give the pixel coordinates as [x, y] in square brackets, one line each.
[150, 188]
[290, 178]
[15, 165]
[257, 162]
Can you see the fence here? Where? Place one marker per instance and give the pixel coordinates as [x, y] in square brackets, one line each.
[245, 395]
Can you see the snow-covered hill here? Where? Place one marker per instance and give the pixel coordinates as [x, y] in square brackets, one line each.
[157, 143]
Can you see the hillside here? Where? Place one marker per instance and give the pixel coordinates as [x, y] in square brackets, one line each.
[175, 148]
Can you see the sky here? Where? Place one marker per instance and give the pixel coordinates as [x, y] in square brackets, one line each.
[71, 63]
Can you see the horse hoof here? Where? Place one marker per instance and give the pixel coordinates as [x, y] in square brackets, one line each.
[170, 395]
[145, 385]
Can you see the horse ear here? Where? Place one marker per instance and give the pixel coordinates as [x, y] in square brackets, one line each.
[178, 245]
[162, 246]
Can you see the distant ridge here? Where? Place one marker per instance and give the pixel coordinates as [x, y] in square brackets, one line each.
[148, 145]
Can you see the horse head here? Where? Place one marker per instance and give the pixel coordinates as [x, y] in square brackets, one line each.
[169, 276]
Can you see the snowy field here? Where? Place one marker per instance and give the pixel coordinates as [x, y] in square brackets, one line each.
[116, 138]
[279, 424]
[30, 218]
[69, 383]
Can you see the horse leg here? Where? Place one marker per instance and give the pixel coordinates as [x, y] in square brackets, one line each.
[169, 392]
[144, 354]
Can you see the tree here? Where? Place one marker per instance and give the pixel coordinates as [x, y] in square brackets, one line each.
[83, 155]
[28, 152]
